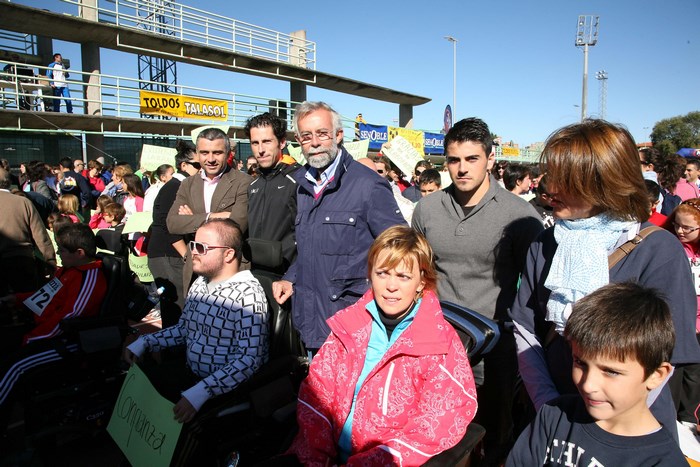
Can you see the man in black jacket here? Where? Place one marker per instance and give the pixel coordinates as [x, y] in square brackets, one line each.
[166, 251]
[272, 204]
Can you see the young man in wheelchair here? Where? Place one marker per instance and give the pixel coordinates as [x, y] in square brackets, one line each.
[224, 327]
[77, 290]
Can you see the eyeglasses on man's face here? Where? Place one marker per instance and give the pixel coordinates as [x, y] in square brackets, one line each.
[684, 228]
[322, 135]
[200, 248]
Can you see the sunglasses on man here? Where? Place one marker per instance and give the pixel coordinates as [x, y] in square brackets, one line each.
[200, 248]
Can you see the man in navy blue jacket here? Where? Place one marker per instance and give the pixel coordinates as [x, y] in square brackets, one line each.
[342, 206]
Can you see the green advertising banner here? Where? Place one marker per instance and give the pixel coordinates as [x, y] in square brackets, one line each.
[143, 424]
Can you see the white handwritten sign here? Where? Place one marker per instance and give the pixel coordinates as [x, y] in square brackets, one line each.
[357, 149]
[153, 157]
[402, 153]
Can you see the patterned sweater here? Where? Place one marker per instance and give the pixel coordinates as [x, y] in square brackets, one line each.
[225, 329]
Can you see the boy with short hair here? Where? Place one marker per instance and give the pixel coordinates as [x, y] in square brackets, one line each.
[429, 181]
[77, 290]
[621, 337]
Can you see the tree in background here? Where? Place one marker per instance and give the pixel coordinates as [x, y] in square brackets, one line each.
[671, 134]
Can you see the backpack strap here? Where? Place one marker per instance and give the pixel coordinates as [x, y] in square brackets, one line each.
[614, 258]
[627, 247]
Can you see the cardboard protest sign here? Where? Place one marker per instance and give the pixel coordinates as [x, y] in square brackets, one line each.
[295, 152]
[142, 423]
[357, 149]
[138, 222]
[402, 153]
[154, 156]
[139, 266]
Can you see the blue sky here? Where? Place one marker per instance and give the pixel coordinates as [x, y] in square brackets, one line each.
[517, 66]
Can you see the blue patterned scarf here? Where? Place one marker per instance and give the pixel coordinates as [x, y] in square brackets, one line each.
[580, 264]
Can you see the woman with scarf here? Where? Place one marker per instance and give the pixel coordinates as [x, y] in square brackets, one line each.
[600, 203]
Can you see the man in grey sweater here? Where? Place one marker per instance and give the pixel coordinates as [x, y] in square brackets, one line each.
[480, 234]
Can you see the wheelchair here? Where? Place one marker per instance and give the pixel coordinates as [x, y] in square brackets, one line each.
[261, 422]
[256, 419]
[72, 398]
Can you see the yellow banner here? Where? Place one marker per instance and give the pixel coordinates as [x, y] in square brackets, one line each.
[415, 137]
[507, 151]
[176, 105]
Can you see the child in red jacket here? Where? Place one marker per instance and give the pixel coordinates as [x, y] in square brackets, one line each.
[77, 290]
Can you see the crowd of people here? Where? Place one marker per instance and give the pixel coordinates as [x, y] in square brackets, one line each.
[588, 266]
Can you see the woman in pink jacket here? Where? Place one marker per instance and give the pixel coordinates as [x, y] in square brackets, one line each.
[392, 384]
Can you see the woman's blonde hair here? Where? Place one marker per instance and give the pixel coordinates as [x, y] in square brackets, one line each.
[121, 170]
[407, 246]
[597, 162]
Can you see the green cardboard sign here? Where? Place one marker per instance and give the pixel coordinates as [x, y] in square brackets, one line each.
[138, 222]
[139, 266]
[153, 157]
[142, 423]
[357, 149]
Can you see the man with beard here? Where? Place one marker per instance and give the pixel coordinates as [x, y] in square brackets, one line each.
[224, 329]
[342, 207]
[272, 196]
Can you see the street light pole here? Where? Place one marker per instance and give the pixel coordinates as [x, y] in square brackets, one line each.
[586, 35]
[454, 76]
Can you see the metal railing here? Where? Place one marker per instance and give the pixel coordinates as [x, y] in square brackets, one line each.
[120, 96]
[18, 42]
[209, 29]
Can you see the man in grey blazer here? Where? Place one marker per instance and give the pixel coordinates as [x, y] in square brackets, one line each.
[216, 191]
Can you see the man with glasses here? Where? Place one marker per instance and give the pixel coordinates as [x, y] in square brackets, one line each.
[79, 166]
[272, 196]
[217, 192]
[166, 250]
[224, 329]
[342, 207]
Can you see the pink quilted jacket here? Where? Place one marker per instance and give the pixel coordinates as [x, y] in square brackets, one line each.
[416, 403]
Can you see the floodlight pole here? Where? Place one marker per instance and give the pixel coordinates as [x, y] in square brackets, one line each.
[586, 35]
